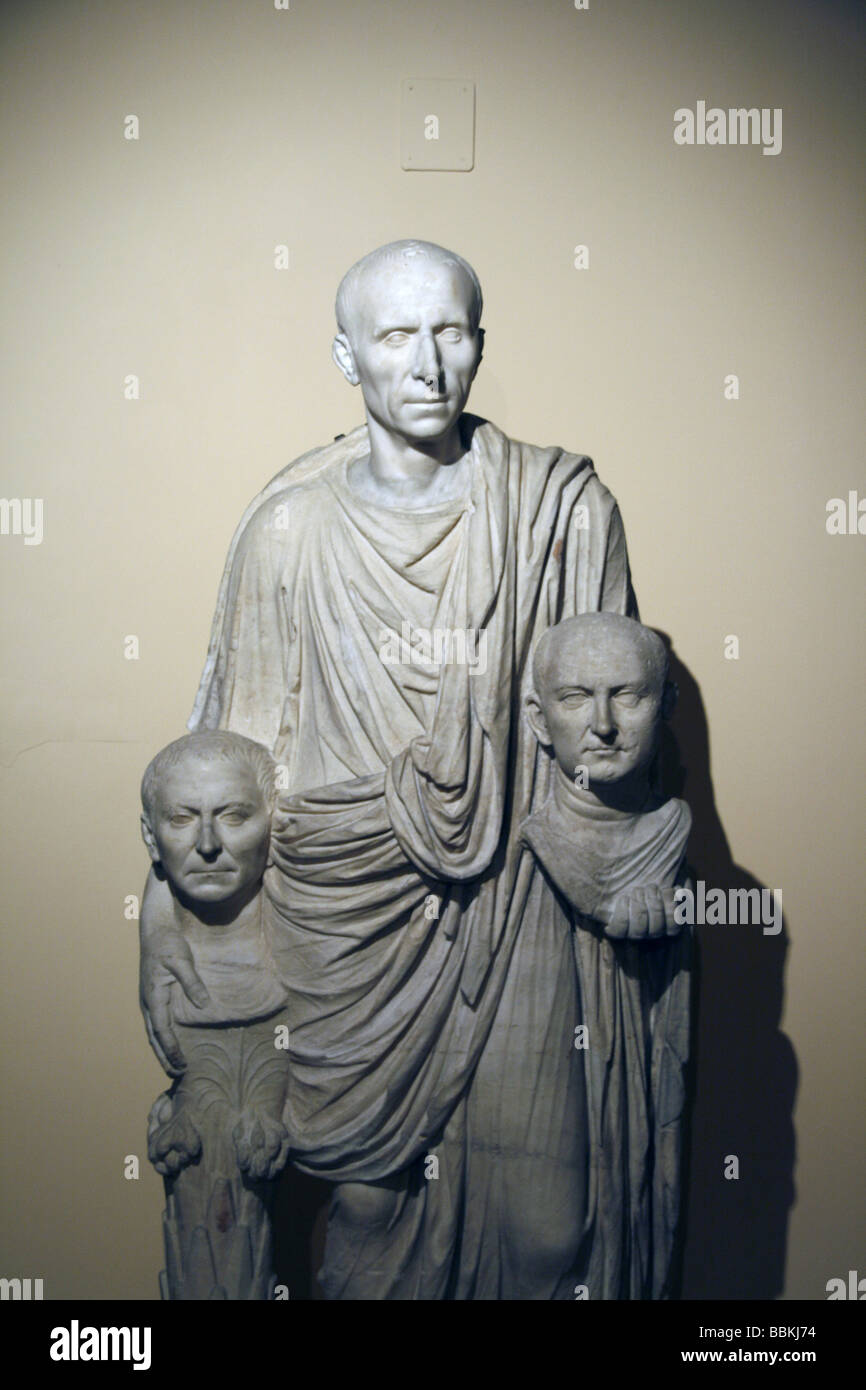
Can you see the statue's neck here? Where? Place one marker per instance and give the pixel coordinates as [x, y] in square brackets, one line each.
[208, 922]
[630, 796]
[401, 473]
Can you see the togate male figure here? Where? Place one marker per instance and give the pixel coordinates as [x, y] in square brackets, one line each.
[433, 986]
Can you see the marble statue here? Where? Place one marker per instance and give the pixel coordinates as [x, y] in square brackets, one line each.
[615, 849]
[375, 629]
[217, 1135]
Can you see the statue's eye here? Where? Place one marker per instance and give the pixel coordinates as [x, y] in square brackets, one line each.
[234, 817]
[451, 335]
[574, 698]
[628, 698]
[396, 339]
[181, 818]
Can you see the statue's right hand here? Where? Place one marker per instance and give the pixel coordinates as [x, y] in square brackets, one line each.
[164, 960]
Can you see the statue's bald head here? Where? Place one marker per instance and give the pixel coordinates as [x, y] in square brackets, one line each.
[372, 272]
[560, 649]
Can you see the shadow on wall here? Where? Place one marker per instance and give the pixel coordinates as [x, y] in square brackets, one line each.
[743, 1070]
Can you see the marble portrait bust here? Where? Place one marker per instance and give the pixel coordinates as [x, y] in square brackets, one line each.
[217, 1135]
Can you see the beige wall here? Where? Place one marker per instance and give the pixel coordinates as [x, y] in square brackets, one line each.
[156, 258]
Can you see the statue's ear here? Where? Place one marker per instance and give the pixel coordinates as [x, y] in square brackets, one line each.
[670, 695]
[536, 720]
[341, 351]
[149, 839]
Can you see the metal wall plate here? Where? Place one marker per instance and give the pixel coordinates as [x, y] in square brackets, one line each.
[437, 124]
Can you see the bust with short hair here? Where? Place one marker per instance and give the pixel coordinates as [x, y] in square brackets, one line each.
[600, 695]
[217, 1135]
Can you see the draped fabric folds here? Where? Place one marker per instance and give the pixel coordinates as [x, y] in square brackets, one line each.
[400, 888]
[636, 997]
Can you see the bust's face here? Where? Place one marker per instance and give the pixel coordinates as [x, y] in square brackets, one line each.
[414, 348]
[212, 828]
[601, 707]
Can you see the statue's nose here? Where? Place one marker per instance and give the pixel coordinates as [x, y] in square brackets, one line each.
[427, 363]
[602, 722]
[207, 844]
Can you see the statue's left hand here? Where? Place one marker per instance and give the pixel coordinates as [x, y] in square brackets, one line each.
[156, 976]
[642, 913]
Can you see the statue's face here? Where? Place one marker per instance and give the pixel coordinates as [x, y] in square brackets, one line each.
[414, 349]
[601, 707]
[212, 828]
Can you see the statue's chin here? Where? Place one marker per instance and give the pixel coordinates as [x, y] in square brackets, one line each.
[612, 767]
[608, 776]
[424, 428]
[206, 890]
